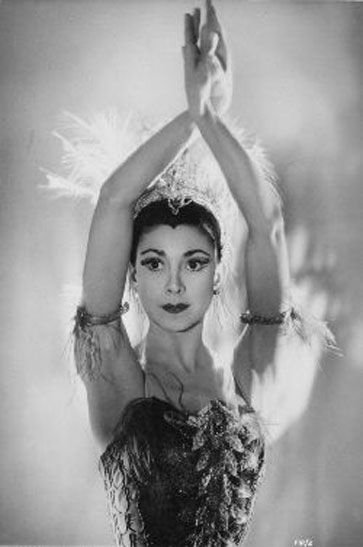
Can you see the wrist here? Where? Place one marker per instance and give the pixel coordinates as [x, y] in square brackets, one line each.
[189, 125]
[204, 115]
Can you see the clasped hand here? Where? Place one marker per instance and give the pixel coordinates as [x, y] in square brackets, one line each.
[207, 71]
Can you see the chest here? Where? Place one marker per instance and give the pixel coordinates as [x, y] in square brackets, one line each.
[190, 392]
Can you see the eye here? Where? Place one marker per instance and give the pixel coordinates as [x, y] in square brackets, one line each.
[197, 264]
[154, 264]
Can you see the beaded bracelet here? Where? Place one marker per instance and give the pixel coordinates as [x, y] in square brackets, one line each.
[254, 319]
[83, 318]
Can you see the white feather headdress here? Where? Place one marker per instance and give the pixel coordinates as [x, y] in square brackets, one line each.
[94, 149]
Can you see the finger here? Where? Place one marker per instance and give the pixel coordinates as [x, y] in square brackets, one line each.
[189, 34]
[189, 28]
[209, 41]
[190, 54]
[196, 23]
[212, 19]
[222, 52]
[214, 24]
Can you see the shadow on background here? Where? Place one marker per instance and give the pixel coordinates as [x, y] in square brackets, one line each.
[298, 82]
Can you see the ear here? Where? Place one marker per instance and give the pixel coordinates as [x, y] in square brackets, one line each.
[217, 279]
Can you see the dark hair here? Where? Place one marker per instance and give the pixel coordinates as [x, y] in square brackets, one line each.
[192, 214]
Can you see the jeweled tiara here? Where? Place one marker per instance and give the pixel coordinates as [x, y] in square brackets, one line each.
[178, 185]
[94, 149]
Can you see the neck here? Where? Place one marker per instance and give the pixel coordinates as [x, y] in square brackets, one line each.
[179, 351]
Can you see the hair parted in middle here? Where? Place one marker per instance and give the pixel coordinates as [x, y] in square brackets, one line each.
[191, 214]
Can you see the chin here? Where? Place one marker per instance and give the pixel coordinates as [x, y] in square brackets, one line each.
[176, 322]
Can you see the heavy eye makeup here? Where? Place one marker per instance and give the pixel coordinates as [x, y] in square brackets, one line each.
[194, 264]
[153, 263]
[197, 264]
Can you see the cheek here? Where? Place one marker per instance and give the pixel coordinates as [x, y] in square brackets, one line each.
[149, 285]
[202, 285]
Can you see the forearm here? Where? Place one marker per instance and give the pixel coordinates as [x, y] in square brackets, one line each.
[237, 169]
[110, 235]
[266, 262]
[150, 160]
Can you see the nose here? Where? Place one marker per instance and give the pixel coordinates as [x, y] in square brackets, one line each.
[174, 283]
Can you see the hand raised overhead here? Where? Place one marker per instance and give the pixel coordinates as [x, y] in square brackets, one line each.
[208, 75]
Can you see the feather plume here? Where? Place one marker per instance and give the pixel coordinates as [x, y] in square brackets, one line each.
[92, 150]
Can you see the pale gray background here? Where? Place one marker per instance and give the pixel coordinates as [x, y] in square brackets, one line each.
[298, 84]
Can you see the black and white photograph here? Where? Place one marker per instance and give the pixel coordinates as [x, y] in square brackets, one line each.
[181, 273]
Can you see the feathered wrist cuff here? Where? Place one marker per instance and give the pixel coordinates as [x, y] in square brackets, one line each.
[88, 340]
[293, 322]
[85, 319]
[277, 319]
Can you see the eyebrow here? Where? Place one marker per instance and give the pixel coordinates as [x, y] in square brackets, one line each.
[187, 254]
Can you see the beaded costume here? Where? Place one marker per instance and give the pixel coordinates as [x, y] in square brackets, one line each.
[179, 479]
[173, 478]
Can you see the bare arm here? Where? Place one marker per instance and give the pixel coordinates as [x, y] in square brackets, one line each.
[107, 258]
[110, 236]
[262, 224]
[266, 259]
[111, 229]
[120, 377]
[265, 275]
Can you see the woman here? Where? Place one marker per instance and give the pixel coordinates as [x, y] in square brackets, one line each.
[183, 450]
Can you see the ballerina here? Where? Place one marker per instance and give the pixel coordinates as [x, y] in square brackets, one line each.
[183, 449]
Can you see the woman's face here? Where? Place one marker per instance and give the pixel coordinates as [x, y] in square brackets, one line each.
[174, 274]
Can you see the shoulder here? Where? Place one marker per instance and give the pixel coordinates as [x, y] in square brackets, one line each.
[109, 369]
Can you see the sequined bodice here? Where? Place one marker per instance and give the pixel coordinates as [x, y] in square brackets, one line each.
[176, 479]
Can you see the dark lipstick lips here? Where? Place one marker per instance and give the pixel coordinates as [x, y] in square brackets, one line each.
[175, 309]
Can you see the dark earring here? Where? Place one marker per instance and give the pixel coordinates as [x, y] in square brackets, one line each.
[216, 291]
